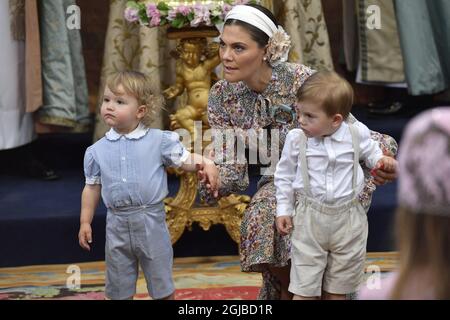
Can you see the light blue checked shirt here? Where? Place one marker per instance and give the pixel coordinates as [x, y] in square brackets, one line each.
[131, 167]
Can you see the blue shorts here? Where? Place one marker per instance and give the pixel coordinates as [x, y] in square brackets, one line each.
[138, 237]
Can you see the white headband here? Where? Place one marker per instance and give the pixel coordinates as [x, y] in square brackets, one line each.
[253, 17]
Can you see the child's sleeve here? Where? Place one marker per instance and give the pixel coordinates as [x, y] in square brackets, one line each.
[371, 152]
[91, 168]
[173, 153]
[285, 174]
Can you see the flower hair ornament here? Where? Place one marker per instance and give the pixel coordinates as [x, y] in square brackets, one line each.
[279, 41]
[279, 46]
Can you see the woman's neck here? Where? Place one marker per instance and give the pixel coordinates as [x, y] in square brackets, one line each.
[260, 80]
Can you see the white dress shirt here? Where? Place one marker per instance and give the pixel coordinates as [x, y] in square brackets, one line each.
[330, 167]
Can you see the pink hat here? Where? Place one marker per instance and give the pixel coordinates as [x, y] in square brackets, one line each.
[424, 163]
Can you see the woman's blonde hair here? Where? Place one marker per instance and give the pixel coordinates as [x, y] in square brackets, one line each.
[424, 246]
[137, 85]
[330, 90]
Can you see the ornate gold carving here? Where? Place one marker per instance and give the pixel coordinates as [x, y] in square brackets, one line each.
[181, 214]
[196, 60]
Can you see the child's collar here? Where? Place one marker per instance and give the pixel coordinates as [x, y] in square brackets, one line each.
[136, 134]
[338, 135]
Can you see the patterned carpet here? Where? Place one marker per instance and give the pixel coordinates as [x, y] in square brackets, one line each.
[205, 278]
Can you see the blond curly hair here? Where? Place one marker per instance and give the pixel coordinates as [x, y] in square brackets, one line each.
[137, 85]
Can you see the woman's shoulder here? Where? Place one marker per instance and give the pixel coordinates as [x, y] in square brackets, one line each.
[298, 67]
[295, 69]
[293, 73]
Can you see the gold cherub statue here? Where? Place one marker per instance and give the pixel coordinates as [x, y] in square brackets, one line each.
[196, 61]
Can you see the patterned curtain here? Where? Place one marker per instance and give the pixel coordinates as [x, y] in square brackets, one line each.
[380, 54]
[424, 28]
[304, 21]
[65, 91]
[25, 27]
[130, 46]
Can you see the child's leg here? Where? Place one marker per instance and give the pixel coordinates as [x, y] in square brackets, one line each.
[308, 252]
[158, 274]
[171, 297]
[121, 265]
[346, 260]
[155, 255]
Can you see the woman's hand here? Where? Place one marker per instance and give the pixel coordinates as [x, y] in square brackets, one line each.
[208, 174]
[211, 177]
[385, 171]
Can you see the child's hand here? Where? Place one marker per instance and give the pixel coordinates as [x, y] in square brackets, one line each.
[284, 225]
[385, 164]
[85, 236]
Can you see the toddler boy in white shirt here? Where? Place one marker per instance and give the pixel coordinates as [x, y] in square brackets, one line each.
[317, 181]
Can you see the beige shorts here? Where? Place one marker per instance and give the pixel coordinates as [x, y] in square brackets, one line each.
[328, 248]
